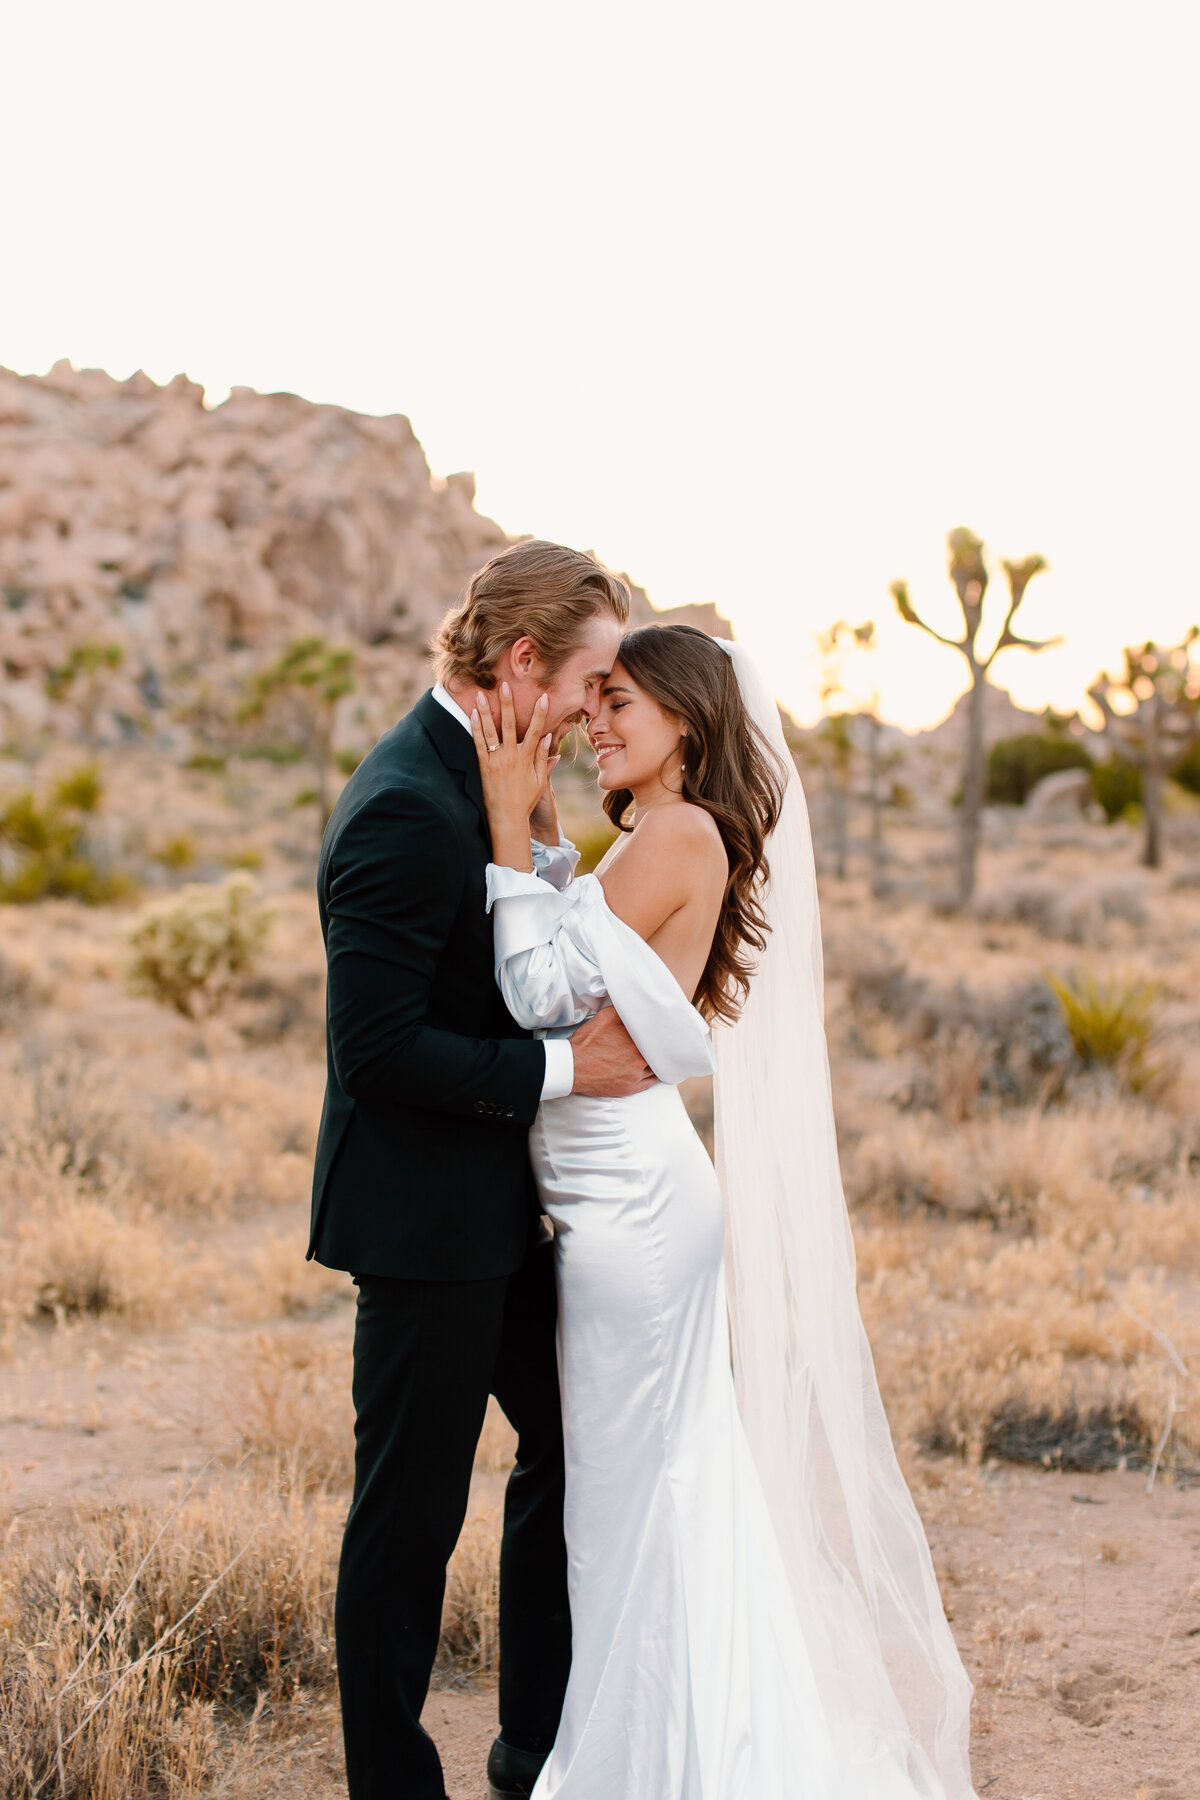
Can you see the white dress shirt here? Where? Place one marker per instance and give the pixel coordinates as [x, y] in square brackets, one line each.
[555, 863]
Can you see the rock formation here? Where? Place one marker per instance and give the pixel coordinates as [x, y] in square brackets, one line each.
[153, 550]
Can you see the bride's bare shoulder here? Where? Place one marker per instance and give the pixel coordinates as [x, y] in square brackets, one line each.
[686, 832]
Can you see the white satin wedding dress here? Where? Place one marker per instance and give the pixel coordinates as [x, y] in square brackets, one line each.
[695, 1670]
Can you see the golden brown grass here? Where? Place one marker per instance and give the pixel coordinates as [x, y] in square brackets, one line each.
[144, 1654]
[1029, 1267]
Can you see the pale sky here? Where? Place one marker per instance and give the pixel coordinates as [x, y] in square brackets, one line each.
[755, 300]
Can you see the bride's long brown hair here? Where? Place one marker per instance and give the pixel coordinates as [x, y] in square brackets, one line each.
[731, 771]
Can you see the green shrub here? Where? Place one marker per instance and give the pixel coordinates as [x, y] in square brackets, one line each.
[274, 753]
[1118, 786]
[208, 761]
[247, 856]
[176, 852]
[348, 760]
[1017, 764]
[82, 791]
[1111, 1022]
[45, 839]
[189, 951]
[1187, 773]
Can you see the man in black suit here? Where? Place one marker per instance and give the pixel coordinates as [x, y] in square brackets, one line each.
[423, 1189]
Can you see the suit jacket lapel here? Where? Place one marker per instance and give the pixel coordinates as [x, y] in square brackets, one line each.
[454, 746]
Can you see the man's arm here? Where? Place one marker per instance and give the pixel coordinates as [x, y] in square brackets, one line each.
[395, 883]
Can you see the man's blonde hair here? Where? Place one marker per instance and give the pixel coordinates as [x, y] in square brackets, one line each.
[537, 590]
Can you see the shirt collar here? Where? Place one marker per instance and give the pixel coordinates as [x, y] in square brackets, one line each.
[452, 707]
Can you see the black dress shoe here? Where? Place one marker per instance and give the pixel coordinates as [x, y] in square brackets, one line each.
[511, 1773]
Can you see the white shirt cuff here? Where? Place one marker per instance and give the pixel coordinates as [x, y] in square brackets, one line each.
[555, 863]
[559, 1078]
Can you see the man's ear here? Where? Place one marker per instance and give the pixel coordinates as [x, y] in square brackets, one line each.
[524, 658]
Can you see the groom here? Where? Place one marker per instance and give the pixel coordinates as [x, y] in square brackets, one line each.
[423, 1189]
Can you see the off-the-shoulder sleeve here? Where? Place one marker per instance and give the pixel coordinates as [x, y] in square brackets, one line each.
[560, 955]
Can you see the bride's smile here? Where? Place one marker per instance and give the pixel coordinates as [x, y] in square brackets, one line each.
[636, 742]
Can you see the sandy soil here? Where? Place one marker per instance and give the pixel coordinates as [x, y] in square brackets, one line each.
[1076, 1604]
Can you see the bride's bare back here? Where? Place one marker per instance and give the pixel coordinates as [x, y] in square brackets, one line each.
[666, 879]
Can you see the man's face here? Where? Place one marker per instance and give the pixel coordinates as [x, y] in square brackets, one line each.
[575, 691]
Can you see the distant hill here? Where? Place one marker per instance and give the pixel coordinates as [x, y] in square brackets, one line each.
[153, 550]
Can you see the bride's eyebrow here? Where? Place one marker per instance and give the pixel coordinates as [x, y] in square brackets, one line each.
[614, 688]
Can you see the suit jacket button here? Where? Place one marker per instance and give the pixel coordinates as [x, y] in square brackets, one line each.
[511, 1113]
[481, 1106]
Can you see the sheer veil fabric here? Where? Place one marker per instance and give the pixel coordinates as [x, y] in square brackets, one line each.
[856, 1554]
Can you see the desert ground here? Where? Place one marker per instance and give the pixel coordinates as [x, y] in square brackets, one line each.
[174, 1418]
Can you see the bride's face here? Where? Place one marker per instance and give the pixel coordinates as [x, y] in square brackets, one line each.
[636, 742]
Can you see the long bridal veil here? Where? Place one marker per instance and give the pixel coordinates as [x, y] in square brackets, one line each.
[855, 1550]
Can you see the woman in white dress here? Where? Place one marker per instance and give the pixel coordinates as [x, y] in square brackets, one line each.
[754, 1613]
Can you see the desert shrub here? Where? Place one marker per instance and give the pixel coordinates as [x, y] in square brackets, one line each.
[244, 856]
[1117, 785]
[189, 951]
[81, 791]
[1103, 1437]
[1080, 913]
[1010, 1048]
[348, 760]
[72, 1109]
[288, 1400]
[1187, 773]
[66, 1252]
[1017, 764]
[177, 852]
[1112, 1023]
[42, 850]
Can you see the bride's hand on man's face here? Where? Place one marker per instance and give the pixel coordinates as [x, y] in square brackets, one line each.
[515, 771]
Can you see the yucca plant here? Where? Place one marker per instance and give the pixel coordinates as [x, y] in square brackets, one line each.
[1111, 1022]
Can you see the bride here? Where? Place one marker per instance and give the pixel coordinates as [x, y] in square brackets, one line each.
[754, 1610]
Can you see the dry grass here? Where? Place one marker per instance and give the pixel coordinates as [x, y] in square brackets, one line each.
[67, 1250]
[1028, 1234]
[144, 1655]
[287, 1400]
[131, 1644]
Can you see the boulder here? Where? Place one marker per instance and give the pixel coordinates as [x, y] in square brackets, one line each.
[1065, 795]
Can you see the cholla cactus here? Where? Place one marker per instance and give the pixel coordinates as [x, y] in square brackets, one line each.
[968, 571]
[189, 950]
[1155, 722]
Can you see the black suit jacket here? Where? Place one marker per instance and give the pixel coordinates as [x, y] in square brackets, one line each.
[422, 1166]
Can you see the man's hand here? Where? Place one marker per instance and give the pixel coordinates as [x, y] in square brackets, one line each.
[608, 1064]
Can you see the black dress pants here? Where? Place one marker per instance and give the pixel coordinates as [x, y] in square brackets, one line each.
[426, 1356]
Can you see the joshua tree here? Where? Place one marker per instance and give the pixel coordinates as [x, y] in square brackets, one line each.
[301, 689]
[969, 573]
[1154, 723]
[835, 645]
